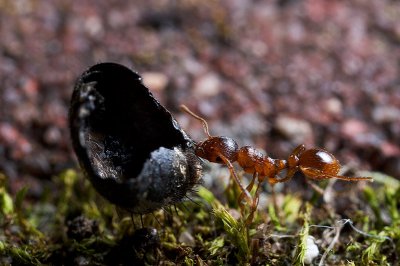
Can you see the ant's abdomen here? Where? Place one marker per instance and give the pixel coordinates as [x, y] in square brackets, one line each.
[321, 160]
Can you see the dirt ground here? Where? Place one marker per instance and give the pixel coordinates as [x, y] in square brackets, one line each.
[271, 74]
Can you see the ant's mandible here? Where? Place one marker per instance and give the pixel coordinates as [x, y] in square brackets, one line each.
[314, 163]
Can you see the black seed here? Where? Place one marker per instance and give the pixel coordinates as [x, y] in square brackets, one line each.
[131, 148]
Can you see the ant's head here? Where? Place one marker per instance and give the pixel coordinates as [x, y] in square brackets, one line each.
[214, 148]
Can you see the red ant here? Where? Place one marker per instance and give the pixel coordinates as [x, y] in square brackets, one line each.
[314, 163]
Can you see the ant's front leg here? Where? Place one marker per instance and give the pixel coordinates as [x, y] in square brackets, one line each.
[256, 200]
[248, 188]
[246, 194]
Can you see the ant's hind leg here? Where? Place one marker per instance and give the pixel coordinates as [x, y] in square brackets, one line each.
[314, 174]
[354, 178]
[277, 179]
[318, 175]
[298, 150]
[315, 187]
[293, 162]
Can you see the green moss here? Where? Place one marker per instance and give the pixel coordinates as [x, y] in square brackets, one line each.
[301, 248]
[236, 231]
[36, 232]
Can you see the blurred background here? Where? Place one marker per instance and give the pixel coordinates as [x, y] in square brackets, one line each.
[271, 74]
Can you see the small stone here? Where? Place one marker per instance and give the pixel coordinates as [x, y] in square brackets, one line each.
[312, 250]
[81, 228]
[52, 135]
[333, 106]
[207, 85]
[193, 66]
[187, 239]
[156, 81]
[353, 127]
[295, 129]
[390, 149]
[386, 114]
[94, 26]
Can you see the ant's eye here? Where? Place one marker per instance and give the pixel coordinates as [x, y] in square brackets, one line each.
[133, 151]
[218, 160]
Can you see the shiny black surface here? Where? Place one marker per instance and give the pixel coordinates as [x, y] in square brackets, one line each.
[129, 145]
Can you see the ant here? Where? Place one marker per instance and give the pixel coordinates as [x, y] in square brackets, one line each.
[315, 164]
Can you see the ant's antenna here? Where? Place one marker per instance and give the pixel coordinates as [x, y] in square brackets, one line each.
[205, 125]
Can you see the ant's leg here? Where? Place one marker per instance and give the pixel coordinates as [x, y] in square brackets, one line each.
[247, 195]
[316, 174]
[354, 178]
[275, 203]
[292, 164]
[316, 188]
[277, 179]
[257, 196]
[248, 188]
[299, 149]
[254, 206]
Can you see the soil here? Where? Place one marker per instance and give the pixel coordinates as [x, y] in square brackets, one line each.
[271, 74]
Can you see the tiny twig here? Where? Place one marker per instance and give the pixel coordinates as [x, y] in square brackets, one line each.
[338, 228]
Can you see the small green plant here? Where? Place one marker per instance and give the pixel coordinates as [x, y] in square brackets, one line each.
[300, 253]
[236, 231]
[40, 230]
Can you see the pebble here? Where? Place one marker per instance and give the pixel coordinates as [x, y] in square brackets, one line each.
[333, 106]
[156, 81]
[186, 238]
[207, 85]
[386, 114]
[52, 135]
[297, 130]
[353, 127]
[312, 250]
[193, 66]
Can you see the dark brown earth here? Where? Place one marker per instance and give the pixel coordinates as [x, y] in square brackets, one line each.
[272, 74]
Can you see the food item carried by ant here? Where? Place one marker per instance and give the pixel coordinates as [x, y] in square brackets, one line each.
[130, 147]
